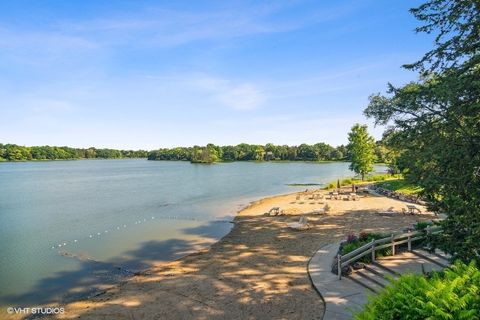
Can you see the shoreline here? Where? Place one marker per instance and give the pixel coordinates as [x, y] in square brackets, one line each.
[242, 250]
[250, 225]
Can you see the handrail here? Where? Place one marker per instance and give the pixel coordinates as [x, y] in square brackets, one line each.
[374, 245]
[358, 250]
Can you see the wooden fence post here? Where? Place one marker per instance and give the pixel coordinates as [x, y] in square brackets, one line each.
[393, 246]
[373, 250]
[409, 243]
[339, 266]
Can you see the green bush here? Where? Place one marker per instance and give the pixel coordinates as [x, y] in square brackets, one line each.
[331, 185]
[380, 177]
[422, 225]
[353, 242]
[452, 294]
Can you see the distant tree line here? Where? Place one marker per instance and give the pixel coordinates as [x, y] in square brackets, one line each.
[252, 152]
[12, 152]
[197, 154]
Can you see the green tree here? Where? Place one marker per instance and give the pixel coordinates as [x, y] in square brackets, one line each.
[307, 152]
[361, 147]
[229, 153]
[336, 154]
[324, 151]
[436, 121]
[259, 153]
[208, 154]
[281, 152]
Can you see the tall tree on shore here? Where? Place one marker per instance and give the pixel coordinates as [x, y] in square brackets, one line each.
[436, 121]
[361, 147]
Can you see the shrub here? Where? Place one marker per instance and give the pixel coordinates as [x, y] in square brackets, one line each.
[353, 242]
[363, 236]
[379, 177]
[351, 238]
[452, 294]
[331, 185]
[421, 225]
[349, 247]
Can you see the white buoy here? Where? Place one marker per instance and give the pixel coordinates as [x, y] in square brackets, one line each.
[118, 228]
[91, 236]
[106, 231]
[124, 225]
[153, 218]
[53, 247]
[59, 245]
[98, 233]
[75, 240]
[64, 243]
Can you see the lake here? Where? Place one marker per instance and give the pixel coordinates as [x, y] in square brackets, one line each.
[66, 226]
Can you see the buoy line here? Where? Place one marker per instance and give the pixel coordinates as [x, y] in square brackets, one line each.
[96, 235]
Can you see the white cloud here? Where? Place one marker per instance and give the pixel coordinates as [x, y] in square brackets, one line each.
[242, 97]
[233, 94]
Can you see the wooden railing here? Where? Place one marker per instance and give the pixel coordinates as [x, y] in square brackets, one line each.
[392, 241]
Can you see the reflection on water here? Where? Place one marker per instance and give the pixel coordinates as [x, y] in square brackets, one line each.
[70, 225]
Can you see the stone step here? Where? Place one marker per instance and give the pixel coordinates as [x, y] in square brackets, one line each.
[431, 257]
[408, 262]
[364, 280]
[443, 255]
[383, 275]
[373, 277]
[386, 271]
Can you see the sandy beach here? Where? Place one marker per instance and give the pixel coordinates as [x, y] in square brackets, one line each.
[257, 271]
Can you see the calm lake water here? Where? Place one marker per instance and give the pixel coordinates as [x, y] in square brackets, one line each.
[67, 225]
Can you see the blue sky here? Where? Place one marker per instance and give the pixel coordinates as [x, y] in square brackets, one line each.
[150, 74]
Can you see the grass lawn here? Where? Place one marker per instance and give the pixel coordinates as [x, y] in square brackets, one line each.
[400, 185]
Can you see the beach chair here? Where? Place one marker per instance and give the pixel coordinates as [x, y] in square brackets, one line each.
[387, 212]
[411, 209]
[275, 211]
[302, 224]
[318, 211]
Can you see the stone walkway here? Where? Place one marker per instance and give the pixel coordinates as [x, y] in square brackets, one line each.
[343, 297]
[339, 296]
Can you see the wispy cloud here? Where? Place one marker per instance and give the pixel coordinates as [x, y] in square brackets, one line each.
[230, 93]
[169, 28]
